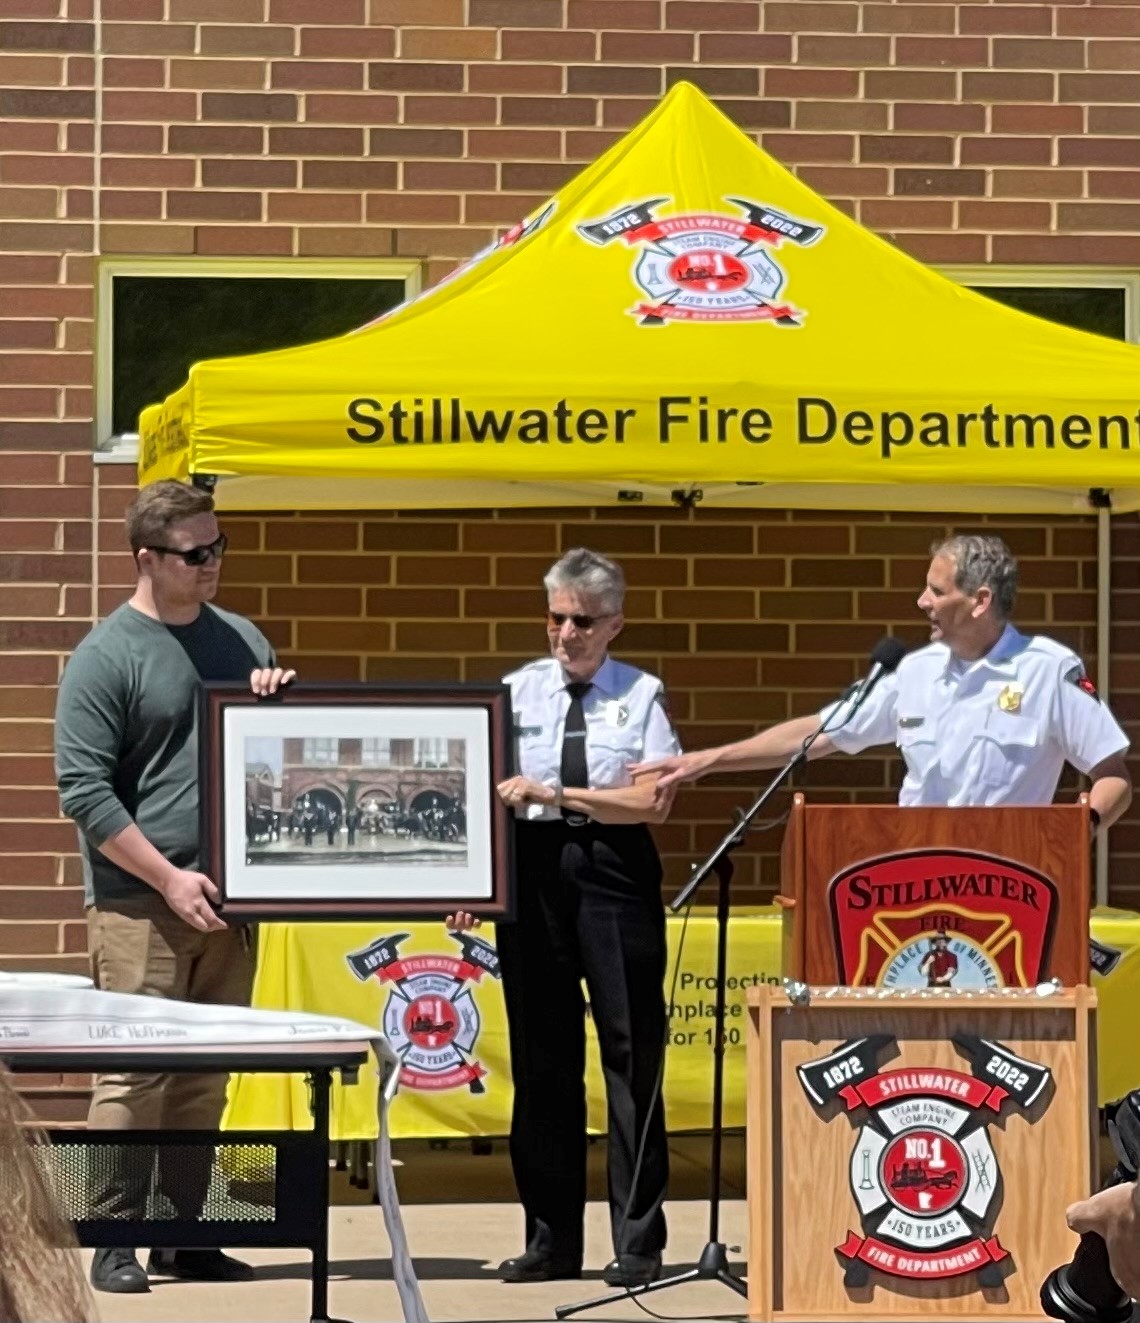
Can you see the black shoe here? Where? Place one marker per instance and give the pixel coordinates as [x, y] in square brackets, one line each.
[119, 1272]
[632, 1270]
[198, 1265]
[534, 1266]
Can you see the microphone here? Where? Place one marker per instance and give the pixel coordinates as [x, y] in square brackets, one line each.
[885, 658]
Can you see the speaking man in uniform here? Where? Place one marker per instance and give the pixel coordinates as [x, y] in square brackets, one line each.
[982, 715]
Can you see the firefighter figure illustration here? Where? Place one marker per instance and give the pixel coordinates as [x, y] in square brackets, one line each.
[939, 964]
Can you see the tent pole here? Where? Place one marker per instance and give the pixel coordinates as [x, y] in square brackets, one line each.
[1103, 614]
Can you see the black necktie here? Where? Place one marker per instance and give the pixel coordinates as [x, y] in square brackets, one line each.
[574, 769]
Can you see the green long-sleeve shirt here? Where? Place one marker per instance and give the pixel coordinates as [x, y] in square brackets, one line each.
[126, 732]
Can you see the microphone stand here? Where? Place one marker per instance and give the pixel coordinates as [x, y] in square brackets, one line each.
[713, 1265]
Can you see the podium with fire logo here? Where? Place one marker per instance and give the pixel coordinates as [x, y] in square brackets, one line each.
[922, 1093]
[963, 898]
[911, 1152]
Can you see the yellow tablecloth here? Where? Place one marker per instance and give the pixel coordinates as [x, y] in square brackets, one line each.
[450, 1017]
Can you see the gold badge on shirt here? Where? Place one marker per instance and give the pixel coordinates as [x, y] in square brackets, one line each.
[1009, 700]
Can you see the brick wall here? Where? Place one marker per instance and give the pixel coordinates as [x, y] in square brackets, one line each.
[965, 132]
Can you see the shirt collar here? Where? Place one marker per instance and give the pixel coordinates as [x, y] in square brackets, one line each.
[604, 678]
[1000, 656]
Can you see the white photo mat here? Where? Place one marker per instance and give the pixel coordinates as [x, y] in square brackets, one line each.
[364, 880]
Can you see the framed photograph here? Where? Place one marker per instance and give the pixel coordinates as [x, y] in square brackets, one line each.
[352, 801]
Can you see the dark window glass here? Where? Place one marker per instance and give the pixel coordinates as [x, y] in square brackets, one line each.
[1099, 310]
[163, 324]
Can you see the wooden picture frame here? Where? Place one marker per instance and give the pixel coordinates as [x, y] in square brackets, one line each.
[354, 801]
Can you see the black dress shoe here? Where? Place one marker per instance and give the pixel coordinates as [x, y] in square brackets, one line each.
[198, 1265]
[533, 1266]
[632, 1270]
[119, 1272]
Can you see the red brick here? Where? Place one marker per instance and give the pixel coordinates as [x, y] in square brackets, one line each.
[448, 110]
[203, 140]
[28, 136]
[255, 39]
[28, 203]
[1114, 54]
[906, 147]
[168, 239]
[1072, 249]
[318, 75]
[987, 215]
[68, 36]
[946, 183]
[1099, 151]
[845, 51]
[1098, 217]
[906, 213]
[1099, 87]
[646, 48]
[303, 140]
[159, 106]
[625, 14]
[208, 204]
[548, 110]
[306, 208]
[351, 108]
[907, 18]
[331, 11]
[464, 44]
[51, 103]
[359, 43]
[426, 208]
[128, 72]
[713, 15]
[139, 139]
[793, 148]
[846, 181]
[911, 85]
[349, 174]
[1008, 86]
[448, 175]
[806, 16]
[841, 115]
[744, 48]
[1006, 151]
[1114, 184]
[1037, 119]
[149, 38]
[935, 52]
[511, 143]
[258, 107]
[237, 173]
[514, 78]
[1036, 20]
[31, 70]
[122, 204]
[1037, 183]
[435, 13]
[1038, 53]
[401, 142]
[242, 241]
[1100, 20]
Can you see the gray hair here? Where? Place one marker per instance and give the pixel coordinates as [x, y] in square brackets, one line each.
[591, 576]
[982, 562]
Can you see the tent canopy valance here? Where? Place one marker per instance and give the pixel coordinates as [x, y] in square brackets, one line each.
[685, 316]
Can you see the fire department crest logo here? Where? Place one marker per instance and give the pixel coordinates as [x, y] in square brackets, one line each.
[431, 1018]
[707, 266]
[942, 919]
[923, 1172]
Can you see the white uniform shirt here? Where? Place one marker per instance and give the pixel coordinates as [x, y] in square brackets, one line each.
[994, 731]
[626, 722]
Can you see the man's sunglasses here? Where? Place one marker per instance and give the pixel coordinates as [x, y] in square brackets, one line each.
[558, 619]
[197, 555]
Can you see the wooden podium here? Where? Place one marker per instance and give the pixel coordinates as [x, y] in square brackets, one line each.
[911, 1154]
[965, 898]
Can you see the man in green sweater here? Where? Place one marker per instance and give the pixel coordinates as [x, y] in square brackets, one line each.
[126, 750]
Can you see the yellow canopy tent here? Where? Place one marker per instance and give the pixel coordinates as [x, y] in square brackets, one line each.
[683, 316]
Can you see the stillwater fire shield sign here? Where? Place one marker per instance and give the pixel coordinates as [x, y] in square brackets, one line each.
[923, 1173]
[942, 919]
[431, 1018]
[707, 266]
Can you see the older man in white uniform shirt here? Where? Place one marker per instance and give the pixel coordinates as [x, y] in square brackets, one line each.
[982, 715]
[589, 908]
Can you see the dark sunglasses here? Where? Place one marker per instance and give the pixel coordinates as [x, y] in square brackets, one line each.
[557, 619]
[197, 555]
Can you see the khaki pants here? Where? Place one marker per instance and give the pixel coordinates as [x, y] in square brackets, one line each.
[142, 947]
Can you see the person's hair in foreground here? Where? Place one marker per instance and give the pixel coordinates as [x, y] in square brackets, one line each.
[41, 1276]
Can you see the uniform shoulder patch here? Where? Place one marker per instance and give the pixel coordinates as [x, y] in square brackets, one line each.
[1076, 675]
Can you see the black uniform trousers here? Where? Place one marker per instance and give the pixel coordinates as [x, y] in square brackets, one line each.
[589, 907]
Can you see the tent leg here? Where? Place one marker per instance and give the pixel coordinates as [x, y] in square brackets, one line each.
[1103, 620]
